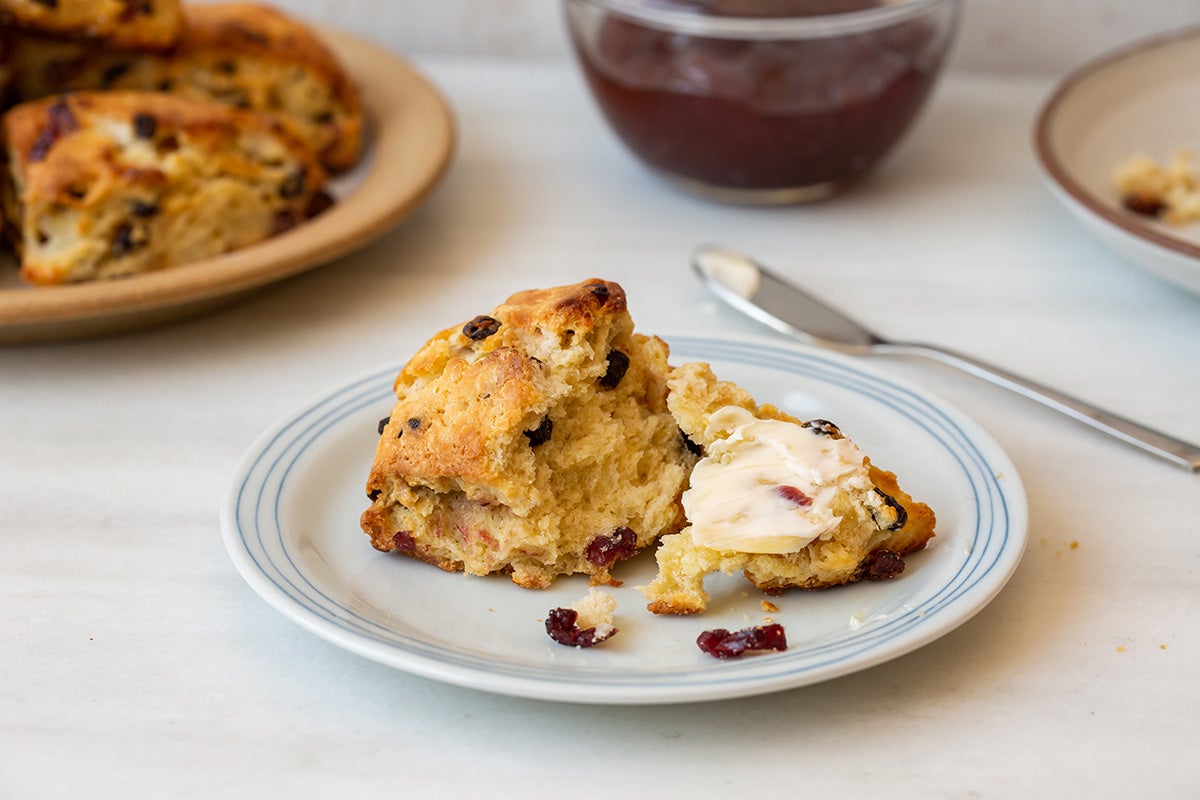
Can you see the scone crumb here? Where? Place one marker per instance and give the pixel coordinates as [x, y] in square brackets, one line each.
[1169, 190]
[584, 623]
[768, 606]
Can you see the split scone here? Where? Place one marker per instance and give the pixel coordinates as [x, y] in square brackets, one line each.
[107, 184]
[791, 504]
[149, 24]
[534, 441]
[245, 55]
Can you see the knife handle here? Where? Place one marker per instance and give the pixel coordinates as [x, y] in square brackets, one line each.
[1157, 443]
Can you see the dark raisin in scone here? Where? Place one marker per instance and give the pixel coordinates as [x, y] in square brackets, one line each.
[790, 504]
[534, 440]
[244, 55]
[149, 24]
[107, 184]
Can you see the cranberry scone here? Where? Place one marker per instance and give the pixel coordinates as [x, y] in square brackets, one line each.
[534, 441]
[790, 504]
[244, 55]
[148, 24]
[108, 184]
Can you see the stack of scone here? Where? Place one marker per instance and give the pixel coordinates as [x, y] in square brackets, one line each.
[142, 135]
[548, 438]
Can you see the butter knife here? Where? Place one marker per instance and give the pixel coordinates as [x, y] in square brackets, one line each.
[752, 289]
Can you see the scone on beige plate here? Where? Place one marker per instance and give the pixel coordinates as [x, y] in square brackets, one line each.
[245, 55]
[151, 24]
[790, 504]
[534, 440]
[108, 184]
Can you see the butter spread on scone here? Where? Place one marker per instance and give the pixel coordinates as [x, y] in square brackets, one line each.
[769, 486]
[533, 440]
[790, 504]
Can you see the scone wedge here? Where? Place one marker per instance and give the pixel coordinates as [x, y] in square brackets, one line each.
[534, 440]
[790, 504]
[107, 184]
[149, 24]
[244, 55]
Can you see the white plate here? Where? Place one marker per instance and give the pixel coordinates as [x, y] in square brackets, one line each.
[291, 527]
[1141, 99]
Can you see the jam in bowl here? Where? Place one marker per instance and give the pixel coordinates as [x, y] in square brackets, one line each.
[761, 101]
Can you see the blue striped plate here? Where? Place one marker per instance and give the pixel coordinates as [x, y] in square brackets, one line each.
[291, 527]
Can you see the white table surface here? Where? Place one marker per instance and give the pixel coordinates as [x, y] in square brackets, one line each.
[137, 663]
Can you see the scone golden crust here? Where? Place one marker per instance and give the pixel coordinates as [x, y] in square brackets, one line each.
[106, 184]
[245, 55]
[876, 522]
[534, 440]
[151, 24]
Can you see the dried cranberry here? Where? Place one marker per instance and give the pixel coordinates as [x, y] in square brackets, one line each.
[560, 625]
[480, 328]
[724, 644]
[140, 208]
[618, 363]
[599, 291]
[373, 495]
[284, 220]
[318, 204]
[901, 513]
[794, 495]
[112, 72]
[540, 434]
[292, 185]
[825, 428]
[144, 126]
[125, 240]
[135, 7]
[1146, 205]
[604, 550]
[404, 542]
[383, 424]
[880, 565]
[59, 122]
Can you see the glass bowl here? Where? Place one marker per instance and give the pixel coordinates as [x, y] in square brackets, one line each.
[761, 101]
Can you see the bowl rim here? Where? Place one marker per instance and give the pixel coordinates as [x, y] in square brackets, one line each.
[1047, 155]
[679, 20]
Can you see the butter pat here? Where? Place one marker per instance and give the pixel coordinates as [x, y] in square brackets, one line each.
[769, 486]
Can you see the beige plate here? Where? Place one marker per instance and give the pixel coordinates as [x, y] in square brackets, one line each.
[1141, 99]
[410, 141]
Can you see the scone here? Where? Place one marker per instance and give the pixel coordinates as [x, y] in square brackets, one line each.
[790, 504]
[244, 55]
[107, 184]
[534, 441]
[150, 24]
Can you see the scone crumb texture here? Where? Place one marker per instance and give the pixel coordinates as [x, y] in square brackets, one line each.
[584, 623]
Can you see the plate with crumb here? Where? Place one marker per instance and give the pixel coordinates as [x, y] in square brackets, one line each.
[1119, 144]
[407, 134]
[291, 524]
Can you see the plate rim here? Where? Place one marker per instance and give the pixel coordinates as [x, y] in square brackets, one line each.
[392, 97]
[1007, 482]
[1060, 177]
